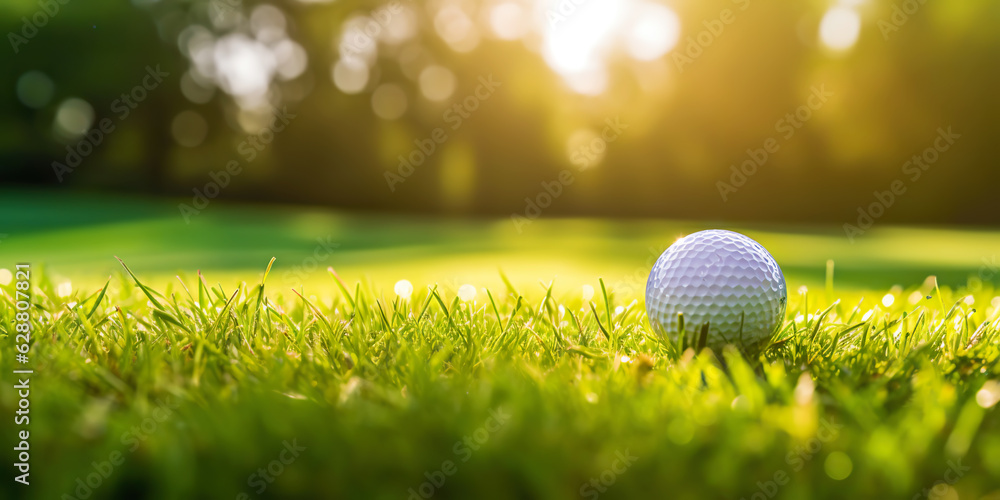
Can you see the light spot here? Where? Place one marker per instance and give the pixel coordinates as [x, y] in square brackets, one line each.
[195, 90]
[401, 27]
[588, 293]
[455, 27]
[888, 300]
[740, 403]
[868, 315]
[655, 31]
[244, 66]
[389, 101]
[626, 359]
[840, 28]
[5, 277]
[989, 395]
[838, 465]
[969, 300]
[579, 42]
[358, 39]
[292, 59]
[350, 75]
[592, 398]
[466, 293]
[618, 310]
[804, 389]
[403, 289]
[437, 83]
[64, 289]
[73, 118]
[915, 297]
[267, 23]
[507, 20]
[35, 89]
[189, 128]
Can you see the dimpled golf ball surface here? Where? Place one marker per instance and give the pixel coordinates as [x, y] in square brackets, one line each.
[721, 278]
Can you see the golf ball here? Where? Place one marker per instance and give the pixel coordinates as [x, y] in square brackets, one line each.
[720, 278]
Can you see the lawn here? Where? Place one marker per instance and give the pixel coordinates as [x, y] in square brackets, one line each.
[547, 383]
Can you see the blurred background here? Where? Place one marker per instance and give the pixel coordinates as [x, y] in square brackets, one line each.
[635, 107]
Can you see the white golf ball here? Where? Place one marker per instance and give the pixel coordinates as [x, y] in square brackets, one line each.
[720, 278]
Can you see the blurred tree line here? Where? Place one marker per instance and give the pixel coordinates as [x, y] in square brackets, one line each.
[729, 129]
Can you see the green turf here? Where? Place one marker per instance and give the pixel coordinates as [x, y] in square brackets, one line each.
[76, 236]
[854, 398]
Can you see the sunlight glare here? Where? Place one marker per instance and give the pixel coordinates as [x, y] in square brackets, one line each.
[579, 37]
[840, 28]
[655, 31]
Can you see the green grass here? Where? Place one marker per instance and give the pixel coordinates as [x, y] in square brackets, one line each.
[379, 390]
[382, 391]
[76, 237]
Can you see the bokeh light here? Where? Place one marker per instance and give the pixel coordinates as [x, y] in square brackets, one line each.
[579, 40]
[456, 28]
[466, 293]
[840, 28]
[403, 289]
[292, 59]
[245, 66]
[508, 20]
[888, 300]
[189, 128]
[350, 75]
[195, 88]
[73, 118]
[389, 101]
[655, 32]
[35, 89]
[437, 83]
[267, 23]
